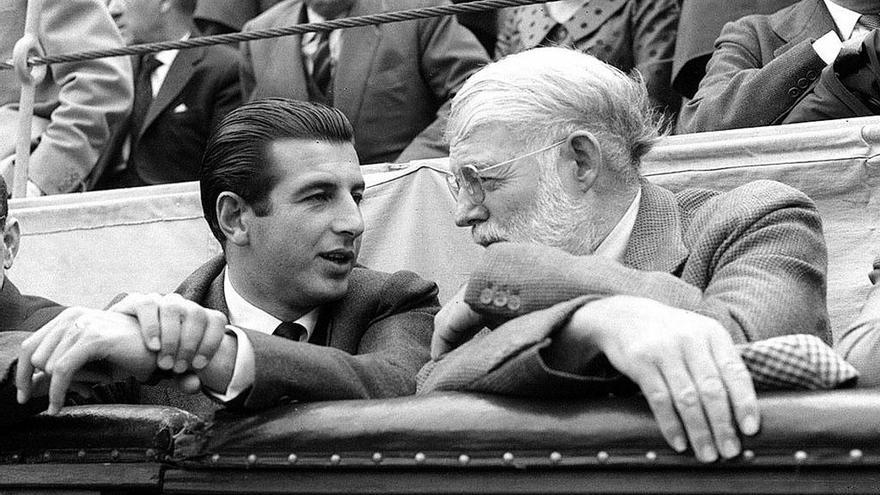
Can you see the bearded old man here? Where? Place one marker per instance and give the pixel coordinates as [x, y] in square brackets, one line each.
[651, 285]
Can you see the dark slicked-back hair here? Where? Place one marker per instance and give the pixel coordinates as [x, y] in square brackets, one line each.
[236, 156]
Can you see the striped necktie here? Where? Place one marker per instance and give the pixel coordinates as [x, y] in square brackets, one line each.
[322, 65]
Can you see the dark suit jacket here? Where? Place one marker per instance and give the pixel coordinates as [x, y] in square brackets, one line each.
[393, 81]
[369, 344]
[201, 87]
[701, 23]
[762, 68]
[753, 258]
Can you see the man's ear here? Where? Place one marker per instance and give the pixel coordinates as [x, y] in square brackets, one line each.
[231, 212]
[11, 238]
[583, 148]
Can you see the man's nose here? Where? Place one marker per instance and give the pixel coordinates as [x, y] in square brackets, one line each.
[349, 219]
[468, 213]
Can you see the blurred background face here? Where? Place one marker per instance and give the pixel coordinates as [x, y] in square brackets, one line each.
[139, 21]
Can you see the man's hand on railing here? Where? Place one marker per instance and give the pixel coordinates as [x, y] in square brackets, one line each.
[75, 338]
[685, 364]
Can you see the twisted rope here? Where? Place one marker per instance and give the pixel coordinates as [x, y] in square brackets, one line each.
[225, 39]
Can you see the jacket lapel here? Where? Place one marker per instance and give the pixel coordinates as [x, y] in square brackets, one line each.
[355, 59]
[805, 20]
[656, 242]
[179, 74]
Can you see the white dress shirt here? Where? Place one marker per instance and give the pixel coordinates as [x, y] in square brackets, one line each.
[243, 314]
[846, 20]
[167, 58]
[614, 245]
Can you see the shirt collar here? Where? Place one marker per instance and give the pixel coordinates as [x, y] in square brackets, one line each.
[562, 11]
[246, 315]
[844, 19]
[167, 57]
[614, 245]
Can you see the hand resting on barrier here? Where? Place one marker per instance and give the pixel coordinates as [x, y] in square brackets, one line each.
[78, 336]
[684, 363]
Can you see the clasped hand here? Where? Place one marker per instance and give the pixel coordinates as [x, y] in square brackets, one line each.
[136, 336]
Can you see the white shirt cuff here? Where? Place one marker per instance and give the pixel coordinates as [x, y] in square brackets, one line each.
[244, 372]
[828, 47]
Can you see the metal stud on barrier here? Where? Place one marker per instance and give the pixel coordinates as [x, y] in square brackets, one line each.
[507, 458]
[291, 459]
[215, 458]
[251, 460]
[419, 458]
[555, 457]
[464, 459]
[651, 456]
[335, 459]
[377, 457]
[602, 457]
[748, 455]
[855, 455]
[800, 456]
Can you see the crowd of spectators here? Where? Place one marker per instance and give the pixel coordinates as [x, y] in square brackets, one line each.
[115, 122]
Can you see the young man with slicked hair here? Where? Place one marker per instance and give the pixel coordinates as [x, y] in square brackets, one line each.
[281, 190]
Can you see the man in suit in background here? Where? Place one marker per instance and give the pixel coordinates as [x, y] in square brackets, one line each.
[180, 96]
[77, 105]
[595, 266]
[814, 60]
[392, 81]
[281, 187]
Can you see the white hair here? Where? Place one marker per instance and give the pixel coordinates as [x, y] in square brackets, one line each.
[543, 95]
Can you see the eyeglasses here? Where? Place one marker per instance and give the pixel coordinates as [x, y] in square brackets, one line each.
[468, 177]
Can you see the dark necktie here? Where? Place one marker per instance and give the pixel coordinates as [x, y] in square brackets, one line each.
[143, 94]
[290, 330]
[322, 66]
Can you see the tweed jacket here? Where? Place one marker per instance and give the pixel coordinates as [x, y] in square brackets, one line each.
[83, 101]
[762, 68]
[753, 258]
[369, 344]
[628, 34]
[201, 87]
[394, 81]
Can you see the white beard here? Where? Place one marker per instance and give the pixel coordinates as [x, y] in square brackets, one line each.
[554, 219]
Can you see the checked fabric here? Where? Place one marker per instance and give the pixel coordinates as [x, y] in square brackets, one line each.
[796, 362]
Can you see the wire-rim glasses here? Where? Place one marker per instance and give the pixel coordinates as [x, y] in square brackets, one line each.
[468, 177]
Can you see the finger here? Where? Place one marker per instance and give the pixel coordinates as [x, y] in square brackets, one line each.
[188, 383]
[686, 399]
[146, 309]
[24, 370]
[739, 385]
[216, 328]
[659, 398]
[68, 337]
[713, 396]
[169, 319]
[65, 367]
[192, 331]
